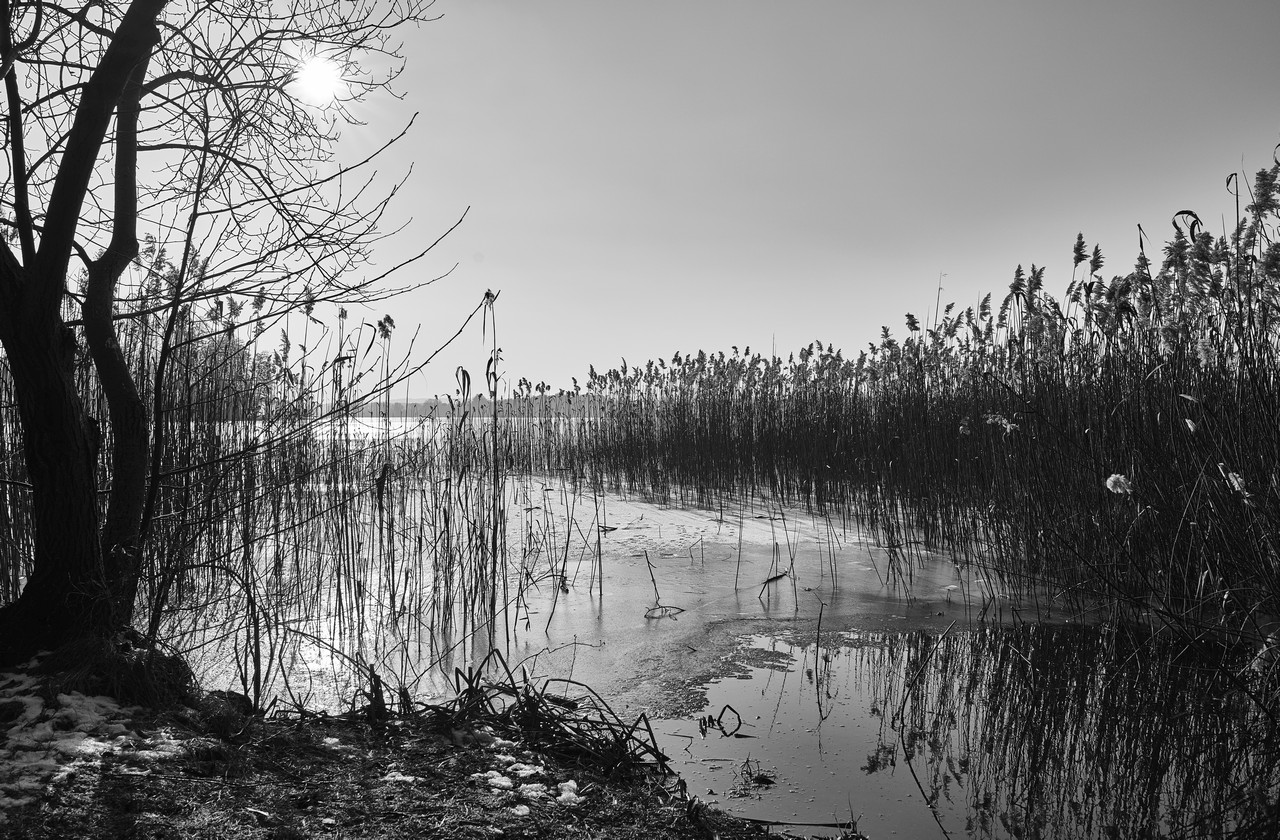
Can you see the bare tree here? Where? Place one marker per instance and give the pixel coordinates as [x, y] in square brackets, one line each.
[186, 122]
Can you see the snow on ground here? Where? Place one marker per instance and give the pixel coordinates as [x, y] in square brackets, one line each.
[46, 739]
[498, 780]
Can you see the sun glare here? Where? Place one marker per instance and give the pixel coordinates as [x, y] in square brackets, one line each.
[317, 81]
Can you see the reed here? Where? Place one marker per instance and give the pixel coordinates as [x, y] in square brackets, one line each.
[295, 543]
[1066, 732]
[1118, 445]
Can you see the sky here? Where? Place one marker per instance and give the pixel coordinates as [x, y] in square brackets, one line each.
[683, 175]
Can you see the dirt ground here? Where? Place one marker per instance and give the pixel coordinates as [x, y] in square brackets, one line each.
[500, 763]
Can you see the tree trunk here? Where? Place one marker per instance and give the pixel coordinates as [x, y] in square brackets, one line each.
[72, 593]
[121, 534]
[66, 596]
[121, 538]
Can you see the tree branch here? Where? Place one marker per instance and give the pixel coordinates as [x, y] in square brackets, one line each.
[21, 189]
[132, 43]
[13, 51]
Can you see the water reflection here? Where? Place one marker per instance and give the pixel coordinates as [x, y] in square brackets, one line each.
[1017, 732]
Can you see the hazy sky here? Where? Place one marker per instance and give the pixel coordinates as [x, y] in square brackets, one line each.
[675, 175]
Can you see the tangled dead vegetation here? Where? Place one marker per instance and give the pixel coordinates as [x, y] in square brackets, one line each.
[504, 758]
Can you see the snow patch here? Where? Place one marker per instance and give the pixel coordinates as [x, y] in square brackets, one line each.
[524, 771]
[569, 793]
[533, 791]
[45, 741]
[494, 779]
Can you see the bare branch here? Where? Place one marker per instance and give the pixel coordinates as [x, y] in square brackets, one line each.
[132, 43]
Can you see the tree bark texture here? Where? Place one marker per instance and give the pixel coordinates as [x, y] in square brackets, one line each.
[75, 590]
[66, 596]
[121, 535]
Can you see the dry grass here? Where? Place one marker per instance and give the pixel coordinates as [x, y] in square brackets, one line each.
[1120, 445]
[420, 775]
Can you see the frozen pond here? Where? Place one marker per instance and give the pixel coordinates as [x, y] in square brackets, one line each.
[1033, 731]
[921, 702]
[679, 586]
[796, 674]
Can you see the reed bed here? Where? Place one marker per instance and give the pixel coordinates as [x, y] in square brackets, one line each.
[1118, 444]
[296, 544]
[1066, 732]
[564, 718]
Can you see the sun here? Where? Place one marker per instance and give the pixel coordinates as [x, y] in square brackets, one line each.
[317, 81]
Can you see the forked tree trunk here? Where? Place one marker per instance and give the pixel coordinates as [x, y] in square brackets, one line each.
[75, 590]
[122, 535]
[67, 596]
